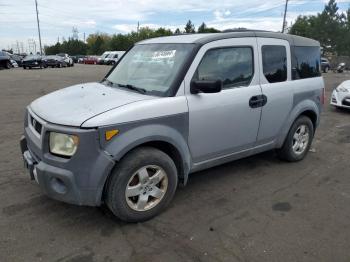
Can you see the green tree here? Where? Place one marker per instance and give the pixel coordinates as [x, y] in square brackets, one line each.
[189, 28]
[330, 28]
[97, 43]
[202, 28]
[177, 31]
[52, 50]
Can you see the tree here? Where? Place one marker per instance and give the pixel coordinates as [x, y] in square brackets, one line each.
[201, 28]
[97, 43]
[177, 31]
[189, 28]
[330, 28]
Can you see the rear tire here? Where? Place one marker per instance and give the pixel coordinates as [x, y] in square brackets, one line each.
[8, 65]
[142, 185]
[298, 140]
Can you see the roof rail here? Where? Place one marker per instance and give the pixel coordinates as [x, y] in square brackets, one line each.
[243, 30]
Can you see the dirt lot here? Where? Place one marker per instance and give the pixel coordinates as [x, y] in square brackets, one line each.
[255, 209]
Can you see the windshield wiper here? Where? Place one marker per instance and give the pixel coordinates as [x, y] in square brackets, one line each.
[134, 88]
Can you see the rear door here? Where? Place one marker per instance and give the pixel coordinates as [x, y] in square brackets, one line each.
[276, 85]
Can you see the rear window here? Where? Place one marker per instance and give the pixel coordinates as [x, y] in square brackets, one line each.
[306, 62]
[274, 59]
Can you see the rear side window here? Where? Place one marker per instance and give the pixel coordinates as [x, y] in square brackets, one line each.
[232, 65]
[306, 62]
[274, 58]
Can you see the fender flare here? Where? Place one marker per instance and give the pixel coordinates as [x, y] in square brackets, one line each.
[299, 109]
[129, 139]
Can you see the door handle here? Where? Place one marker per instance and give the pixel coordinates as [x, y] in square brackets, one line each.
[257, 101]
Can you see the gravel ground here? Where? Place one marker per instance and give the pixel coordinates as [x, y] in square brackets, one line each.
[255, 209]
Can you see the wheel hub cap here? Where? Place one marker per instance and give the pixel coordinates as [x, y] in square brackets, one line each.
[301, 139]
[146, 188]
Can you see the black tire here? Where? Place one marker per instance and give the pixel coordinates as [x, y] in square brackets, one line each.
[286, 152]
[8, 65]
[115, 195]
[24, 67]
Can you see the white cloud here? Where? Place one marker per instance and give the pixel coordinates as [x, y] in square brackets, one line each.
[221, 14]
[18, 20]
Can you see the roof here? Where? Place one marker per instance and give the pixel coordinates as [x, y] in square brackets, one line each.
[206, 38]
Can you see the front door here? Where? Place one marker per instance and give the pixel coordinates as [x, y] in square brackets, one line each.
[224, 123]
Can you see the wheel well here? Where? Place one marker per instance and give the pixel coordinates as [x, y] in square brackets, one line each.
[312, 115]
[165, 147]
[172, 152]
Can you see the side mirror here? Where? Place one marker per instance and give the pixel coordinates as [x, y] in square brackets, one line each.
[205, 86]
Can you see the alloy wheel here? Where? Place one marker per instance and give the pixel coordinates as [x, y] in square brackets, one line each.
[146, 188]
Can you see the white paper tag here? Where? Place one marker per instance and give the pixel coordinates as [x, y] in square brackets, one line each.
[163, 54]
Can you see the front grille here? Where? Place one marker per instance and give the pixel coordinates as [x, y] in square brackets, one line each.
[37, 126]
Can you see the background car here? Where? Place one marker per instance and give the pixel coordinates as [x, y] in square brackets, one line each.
[92, 60]
[33, 61]
[55, 61]
[325, 66]
[113, 57]
[14, 63]
[5, 60]
[76, 58]
[341, 95]
[17, 58]
[101, 59]
[67, 59]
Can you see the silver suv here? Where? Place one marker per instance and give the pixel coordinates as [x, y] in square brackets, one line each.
[170, 107]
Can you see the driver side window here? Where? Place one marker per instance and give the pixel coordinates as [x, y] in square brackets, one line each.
[232, 65]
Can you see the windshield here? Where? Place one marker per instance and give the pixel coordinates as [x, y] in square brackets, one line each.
[152, 67]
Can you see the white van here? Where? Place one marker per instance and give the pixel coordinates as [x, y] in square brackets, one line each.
[113, 57]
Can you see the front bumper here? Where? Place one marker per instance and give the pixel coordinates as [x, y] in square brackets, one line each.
[79, 180]
[340, 99]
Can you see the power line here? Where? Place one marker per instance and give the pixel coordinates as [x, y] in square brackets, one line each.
[37, 19]
[284, 17]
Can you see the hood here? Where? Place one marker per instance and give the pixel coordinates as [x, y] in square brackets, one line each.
[72, 106]
[346, 84]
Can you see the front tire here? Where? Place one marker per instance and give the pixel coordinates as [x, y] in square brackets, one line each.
[142, 185]
[298, 140]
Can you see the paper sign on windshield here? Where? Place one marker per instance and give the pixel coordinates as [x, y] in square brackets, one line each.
[163, 54]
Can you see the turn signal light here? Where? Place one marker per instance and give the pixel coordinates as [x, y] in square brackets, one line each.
[111, 133]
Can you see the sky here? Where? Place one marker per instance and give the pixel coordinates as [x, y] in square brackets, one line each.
[58, 17]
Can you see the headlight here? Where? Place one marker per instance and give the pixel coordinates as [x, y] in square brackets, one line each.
[341, 89]
[63, 144]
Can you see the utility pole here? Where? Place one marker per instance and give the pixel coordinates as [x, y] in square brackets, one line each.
[284, 17]
[37, 19]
